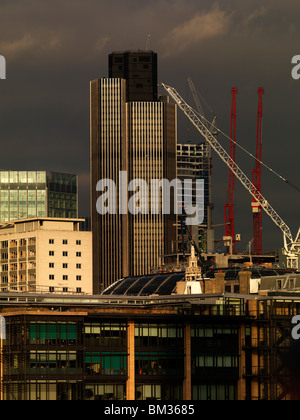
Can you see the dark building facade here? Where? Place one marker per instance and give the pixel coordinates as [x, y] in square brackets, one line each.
[139, 69]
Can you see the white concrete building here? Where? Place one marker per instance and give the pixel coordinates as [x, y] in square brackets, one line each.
[45, 255]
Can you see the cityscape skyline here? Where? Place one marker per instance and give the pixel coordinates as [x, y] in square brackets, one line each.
[124, 275]
[257, 43]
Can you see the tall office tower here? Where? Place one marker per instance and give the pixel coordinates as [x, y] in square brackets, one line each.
[139, 69]
[27, 194]
[193, 162]
[139, 138]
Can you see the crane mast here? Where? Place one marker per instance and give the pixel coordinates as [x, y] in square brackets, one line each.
[256, 180]
[229, 208]
[292, 247]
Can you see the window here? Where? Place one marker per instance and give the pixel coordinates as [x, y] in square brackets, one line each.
[65, 253]
[78, 290]
[65, 265]
[65, 242]
[292, 283]
[106, 363]
[78, 254]
[65, 289]
[144, 59]
[51, 241]
[51, 253]
[78, 278]
[51, 265]
[65, 277]
[51, 289]
[78, 242]
[78, 266]
[51, 277]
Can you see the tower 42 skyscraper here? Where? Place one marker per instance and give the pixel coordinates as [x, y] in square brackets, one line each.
[138, 137]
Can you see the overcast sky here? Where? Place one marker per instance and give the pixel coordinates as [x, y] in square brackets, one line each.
[54, 48]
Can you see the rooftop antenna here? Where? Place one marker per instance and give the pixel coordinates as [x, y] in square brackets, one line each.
[148, 46]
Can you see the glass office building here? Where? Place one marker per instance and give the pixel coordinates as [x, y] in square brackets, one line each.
[28, 194]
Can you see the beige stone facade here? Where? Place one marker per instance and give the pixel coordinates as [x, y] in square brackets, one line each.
[45, 255]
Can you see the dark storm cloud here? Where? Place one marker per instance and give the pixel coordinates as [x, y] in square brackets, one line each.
[53, 49]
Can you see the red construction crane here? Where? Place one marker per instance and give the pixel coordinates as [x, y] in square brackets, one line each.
[229, 237]
[256, 181]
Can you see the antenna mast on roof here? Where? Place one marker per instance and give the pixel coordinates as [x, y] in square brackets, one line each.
[148, 45]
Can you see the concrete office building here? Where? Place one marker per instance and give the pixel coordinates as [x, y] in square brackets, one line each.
[48, 255]
[27, 194]
[193, 162]
[139, 138]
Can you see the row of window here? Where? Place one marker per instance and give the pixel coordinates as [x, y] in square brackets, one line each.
[64, 242]
[52, 265]
[64, 277]
[64, 254]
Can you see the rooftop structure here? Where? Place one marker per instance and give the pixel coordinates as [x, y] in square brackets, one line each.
[139, 69]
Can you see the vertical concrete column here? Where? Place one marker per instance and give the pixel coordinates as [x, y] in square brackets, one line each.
[244, 277]
[220, 283]
[242, 354]
[255, 362]
[1, 369]
[187, 382]
[130, 386]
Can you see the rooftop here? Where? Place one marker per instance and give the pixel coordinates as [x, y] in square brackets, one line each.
[38, 223]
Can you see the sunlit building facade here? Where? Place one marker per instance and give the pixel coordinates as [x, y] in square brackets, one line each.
[27, 194]
[138, 138]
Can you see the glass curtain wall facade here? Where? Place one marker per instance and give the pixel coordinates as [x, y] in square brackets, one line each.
[77, 357]
[62, 195]
[28, 194]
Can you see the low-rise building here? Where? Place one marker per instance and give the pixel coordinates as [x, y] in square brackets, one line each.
[165, 348]
[45, 255]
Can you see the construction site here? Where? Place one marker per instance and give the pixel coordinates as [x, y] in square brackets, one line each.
[224, 253]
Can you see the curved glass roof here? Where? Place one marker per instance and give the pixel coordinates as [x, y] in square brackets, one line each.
[156, 284]
[164, 284]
